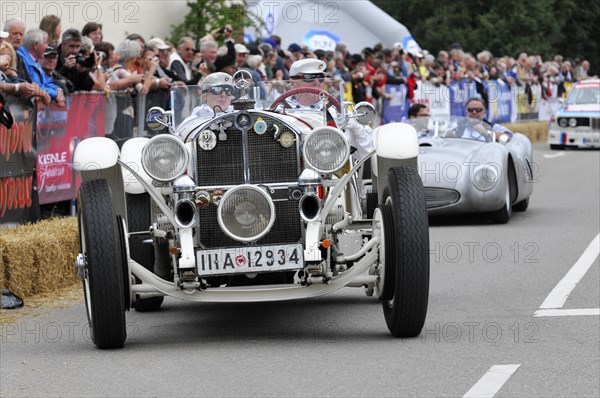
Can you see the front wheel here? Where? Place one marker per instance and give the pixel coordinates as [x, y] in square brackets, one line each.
[406, 309]
[102, 264]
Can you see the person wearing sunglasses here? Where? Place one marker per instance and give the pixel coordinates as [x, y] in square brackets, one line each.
[311, 72]
[217, 91]
[476, 127]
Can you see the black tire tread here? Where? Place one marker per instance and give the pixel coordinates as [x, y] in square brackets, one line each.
[407, 315]
[104, 260]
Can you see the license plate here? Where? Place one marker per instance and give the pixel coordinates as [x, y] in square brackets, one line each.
[250, 259]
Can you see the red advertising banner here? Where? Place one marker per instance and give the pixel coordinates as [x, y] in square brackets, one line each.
[18, 201]
[59, 130]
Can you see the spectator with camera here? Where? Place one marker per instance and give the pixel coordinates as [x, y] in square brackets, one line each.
[75, 65]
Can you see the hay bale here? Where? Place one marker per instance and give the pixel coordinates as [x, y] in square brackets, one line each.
[40, 257]
[535, 131]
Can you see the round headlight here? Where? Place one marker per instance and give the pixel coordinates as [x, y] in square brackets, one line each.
[485, 177]
[164, 157]
[572, 122]
[326, 150]
[246, 213]
[562, 122]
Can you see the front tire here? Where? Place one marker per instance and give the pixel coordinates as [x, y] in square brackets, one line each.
[103, 271]
[522, 205]
[405, 312]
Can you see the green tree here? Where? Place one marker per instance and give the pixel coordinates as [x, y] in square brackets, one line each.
[207, 15]
[545, 27]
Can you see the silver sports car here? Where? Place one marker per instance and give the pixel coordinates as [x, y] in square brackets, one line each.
[468, 168]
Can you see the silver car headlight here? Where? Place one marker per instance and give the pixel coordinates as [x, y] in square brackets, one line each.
[165, 157]
[326, 150]
[246, 213]
[563, 122]
[485, 177]
[572, 122]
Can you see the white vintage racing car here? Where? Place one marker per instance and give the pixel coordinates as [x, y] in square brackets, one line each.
[261, 203]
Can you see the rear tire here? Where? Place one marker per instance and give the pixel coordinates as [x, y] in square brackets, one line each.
[406, 311]
[104, 261]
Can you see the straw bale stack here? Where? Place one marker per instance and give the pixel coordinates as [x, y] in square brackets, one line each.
[39, 258]
[536, 131]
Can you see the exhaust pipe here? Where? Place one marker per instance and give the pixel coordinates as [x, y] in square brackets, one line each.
[310, 207]
[185, 213]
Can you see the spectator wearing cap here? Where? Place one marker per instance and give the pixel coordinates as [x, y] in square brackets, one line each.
[181, 62]
[241, 53]
[311, 73]
[32, 51]
[3, 36]
[51, 25]
[252, 65]
[49, 63]
[93, 30]
[68, 52]
[296, 51]
[217, 91]
[165, 76]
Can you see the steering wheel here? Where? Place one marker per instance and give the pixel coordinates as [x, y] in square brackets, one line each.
[312, 90]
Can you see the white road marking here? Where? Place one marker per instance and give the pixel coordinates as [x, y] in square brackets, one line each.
[554, 155]
[560, 293]
[567, 312]
[492, 381]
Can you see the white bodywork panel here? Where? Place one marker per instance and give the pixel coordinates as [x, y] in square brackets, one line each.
[95, 153]
[131, 154]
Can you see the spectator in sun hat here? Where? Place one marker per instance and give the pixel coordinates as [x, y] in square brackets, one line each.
[217, 91]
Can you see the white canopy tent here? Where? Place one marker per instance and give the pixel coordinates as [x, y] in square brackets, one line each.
[322, 24]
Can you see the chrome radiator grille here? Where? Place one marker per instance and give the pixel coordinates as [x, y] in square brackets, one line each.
[285, 230]
[436, 197]
[269, 161]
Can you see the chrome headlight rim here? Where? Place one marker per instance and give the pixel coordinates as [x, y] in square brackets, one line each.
[481, 179]
[312, 137]
[151, 143]
[572, 122]
[223, 201]
[563, 122]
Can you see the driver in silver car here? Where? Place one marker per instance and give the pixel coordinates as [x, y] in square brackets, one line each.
[310, 72]
[476, 127]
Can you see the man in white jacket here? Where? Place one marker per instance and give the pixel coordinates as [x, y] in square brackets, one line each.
[311, 72]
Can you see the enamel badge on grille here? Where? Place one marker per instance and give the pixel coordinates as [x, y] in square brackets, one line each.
[207, 140]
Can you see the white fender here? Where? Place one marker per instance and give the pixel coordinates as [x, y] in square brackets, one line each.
[131, 155]
[95, 153]
[397, 141]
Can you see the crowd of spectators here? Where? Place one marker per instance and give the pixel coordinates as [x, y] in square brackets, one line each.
[47, 63]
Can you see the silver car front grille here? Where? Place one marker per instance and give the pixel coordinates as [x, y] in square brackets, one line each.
[437, 197]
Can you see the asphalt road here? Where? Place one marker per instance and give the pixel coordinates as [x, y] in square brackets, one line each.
[487, 282]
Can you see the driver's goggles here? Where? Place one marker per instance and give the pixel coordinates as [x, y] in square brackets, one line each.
[309, 77]
[217, 90]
